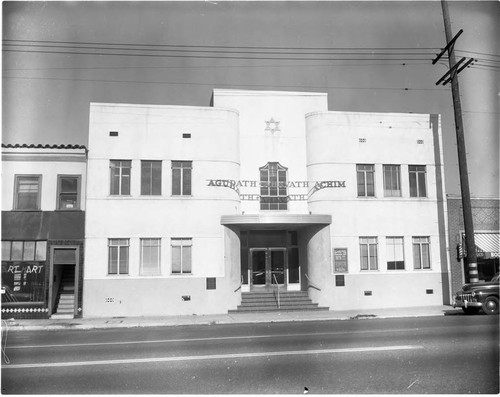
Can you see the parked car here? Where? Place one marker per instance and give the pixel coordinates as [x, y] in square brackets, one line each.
[474, 297]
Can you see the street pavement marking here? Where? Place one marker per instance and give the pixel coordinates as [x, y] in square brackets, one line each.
[211, 357]
[205, 339]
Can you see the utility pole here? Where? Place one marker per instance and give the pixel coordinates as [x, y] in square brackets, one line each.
[455, 68]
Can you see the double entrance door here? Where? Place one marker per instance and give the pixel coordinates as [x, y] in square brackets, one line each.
[267, 267]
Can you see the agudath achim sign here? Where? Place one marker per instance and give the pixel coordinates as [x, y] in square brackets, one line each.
[312, 187]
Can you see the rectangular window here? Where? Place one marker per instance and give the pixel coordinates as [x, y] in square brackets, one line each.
[366, 180]
[150, 256]
[27, 190]
[120, 171]
[118, 255]
[417, 181]
[392, 187]
[181, 178]
[68, 192]
[368, 249]
[395, 253]
[24, 251]
[150, 178]
[421, 253]
[181, 255]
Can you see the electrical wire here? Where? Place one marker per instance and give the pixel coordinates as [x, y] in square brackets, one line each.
[225, 84]
[223, 46]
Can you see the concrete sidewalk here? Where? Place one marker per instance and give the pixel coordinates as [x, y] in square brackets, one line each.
[233, 318]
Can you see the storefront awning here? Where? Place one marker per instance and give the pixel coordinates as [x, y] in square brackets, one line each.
[298, 220]
[487, 244]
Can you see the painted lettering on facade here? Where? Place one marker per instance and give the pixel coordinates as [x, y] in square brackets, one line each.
[236, 185]
[25, 269]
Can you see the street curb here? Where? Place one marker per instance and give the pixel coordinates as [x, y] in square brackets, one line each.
[13, 326]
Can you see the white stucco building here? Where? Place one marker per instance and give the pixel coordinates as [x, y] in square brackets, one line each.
[189, 208]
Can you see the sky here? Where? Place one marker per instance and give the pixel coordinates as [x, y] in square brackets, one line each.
[368, 56]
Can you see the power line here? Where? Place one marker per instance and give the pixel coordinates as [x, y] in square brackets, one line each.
[212, 56]
[213, 51]
[220, 46]
[246, 66]
[224, 84]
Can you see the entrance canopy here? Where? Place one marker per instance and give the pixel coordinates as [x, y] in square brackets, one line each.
[274, 220]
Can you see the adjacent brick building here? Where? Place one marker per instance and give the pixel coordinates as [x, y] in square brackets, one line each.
[485, 214]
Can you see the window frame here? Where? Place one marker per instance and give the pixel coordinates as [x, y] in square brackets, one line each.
[388, 190]
[185, 168]
[152, 186]
[266, 192]
[118, 268]
[59, 192]
[394, 253]
[185, 242]
[17, 178]
[420, 244]
[121, 167]
[157, 270]
[363, 174]
[420, 177]
[369, 244]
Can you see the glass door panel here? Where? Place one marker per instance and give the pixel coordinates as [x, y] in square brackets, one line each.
[277, 266]
[258, 258]
[293, 266]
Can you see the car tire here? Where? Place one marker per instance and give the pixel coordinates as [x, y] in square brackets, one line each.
[490, 305]
[470, 310]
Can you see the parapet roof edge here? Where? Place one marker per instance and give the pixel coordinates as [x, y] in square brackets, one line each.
[266, 92]
[143, 105]
[409, 114]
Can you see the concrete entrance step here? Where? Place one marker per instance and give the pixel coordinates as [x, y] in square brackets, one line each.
[268, 301]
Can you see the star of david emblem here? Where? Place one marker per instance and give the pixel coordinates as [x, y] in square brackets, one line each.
[272, 126]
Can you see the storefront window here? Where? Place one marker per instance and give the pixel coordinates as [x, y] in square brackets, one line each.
[23, 271]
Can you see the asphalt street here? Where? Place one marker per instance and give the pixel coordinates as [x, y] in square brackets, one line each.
[448, 354]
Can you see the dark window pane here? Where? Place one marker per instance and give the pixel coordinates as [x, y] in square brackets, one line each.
[361, 183]
[176, 181]
[64, 256]
[413, 185]
[113, 260]
[156, 178]
[186, 183]
[124, 260]
[370, 184]
[69, 185]
[421, 185]
[145, 178]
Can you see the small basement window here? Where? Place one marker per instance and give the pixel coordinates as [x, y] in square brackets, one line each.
[113, 133]
[186, 135]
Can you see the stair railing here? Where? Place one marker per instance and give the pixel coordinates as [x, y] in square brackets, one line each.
[241, 283]
[311, 284]
[277, 289]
